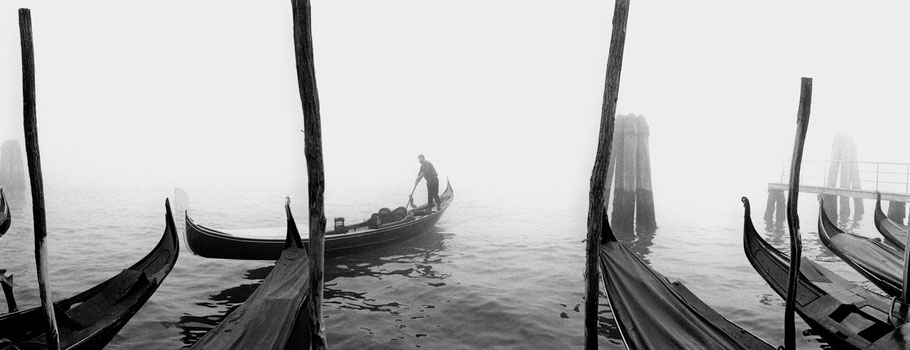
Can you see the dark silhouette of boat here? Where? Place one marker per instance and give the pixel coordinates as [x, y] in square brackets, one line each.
[382, 229]
[652, 312]
[845, 314]
[92, 318]
[5, 218]
[880, 263]
[893, 231]
[275, 316]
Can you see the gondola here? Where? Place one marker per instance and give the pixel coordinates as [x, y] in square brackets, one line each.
[880, 263]
[5, 218]
[845, 314]
[382, 229]
[92, 318]
[893, 231]
[275, 315]
[652, 312]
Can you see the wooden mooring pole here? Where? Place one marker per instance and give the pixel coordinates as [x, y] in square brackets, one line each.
[596, 208]
[630, 171]
[796, 246]
[645, 220]
[843, 166]
[309, 97]
[624, 194]
[34, 173]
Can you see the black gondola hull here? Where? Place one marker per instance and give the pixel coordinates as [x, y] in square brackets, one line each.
[91, 319]
[211, 243]
[894, 232]
[879, 263]
[845, 314]
[5, 218]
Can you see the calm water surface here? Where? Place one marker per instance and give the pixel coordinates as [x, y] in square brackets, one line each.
[497, 272]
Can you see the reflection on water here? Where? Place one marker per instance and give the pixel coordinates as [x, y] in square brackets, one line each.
[411, 259]
[192, 328]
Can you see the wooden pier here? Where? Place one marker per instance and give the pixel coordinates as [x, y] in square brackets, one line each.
[845, 192]
[863, 181]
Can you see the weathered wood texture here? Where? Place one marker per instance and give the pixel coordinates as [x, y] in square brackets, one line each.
[897, 210]
[617, 158]
[309, 97]
[844, 167]
[34, 173]
[905, 285]
[775, 210]
[905, 291]
[796, 247]
[630, 171]
[596, 208]
[624, 196]
[645, 220]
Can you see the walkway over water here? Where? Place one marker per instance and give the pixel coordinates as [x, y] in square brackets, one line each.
[892, 180]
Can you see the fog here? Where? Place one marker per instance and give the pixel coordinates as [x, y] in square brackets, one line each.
[502, 95]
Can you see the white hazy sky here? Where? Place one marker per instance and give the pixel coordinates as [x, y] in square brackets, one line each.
[496, 93]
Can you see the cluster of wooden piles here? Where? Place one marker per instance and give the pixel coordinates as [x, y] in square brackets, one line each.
[652, 312]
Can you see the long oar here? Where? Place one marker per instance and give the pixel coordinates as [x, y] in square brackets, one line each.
[411, 197]
[796, 246]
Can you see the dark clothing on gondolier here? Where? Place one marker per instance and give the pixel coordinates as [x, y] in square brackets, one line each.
[429, 173]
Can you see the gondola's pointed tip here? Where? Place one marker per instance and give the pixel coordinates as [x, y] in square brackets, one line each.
[746, 205]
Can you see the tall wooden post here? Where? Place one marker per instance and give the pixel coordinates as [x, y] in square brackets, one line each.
[644, 195]
[596, 208]
[34, 173]
[905, 285]
[845, 182]
[897, 210]
[855, 182]
[830, 200]
[796, 246]
[309, 97]
[624, 196]
[611, 166]
[617, 159]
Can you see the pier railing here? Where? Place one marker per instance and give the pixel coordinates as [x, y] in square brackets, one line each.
[851, 179]
[870, 176]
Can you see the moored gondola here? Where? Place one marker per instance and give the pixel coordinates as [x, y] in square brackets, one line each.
[92, 318]
[893, 231]
[275, 315]
[845, 314]
[5, 218]
[881, 264]
[383, 228]
[652, 312]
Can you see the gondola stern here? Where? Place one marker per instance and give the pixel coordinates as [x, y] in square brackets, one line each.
[293, 235]
[171, 226]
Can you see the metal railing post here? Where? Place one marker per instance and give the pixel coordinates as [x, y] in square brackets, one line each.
[907, 184]
[877, 166]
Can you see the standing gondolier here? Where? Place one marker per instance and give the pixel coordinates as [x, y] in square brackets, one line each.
[428, 172]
